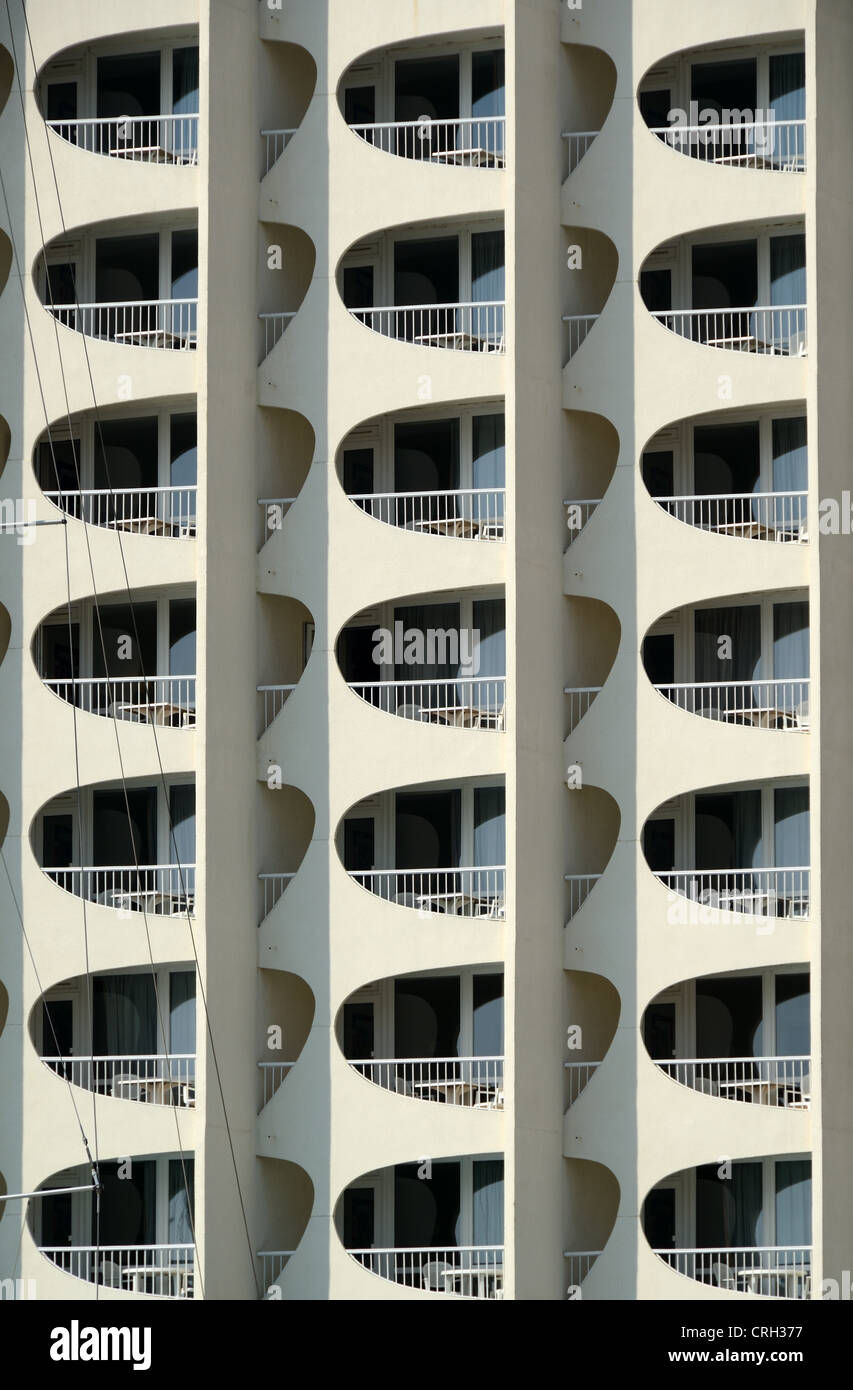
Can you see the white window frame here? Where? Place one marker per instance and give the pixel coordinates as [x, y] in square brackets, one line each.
[81, 66]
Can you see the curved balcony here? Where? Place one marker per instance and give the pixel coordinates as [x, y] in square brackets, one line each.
[778, 146]
[140, 139]
[164, 890]
[151, 323]
[756, 704]
[745, 1227]
[140, 104]
[438, 472]
[141, 1215]
[439, 106]
[461, 703]
[472, 327]
[164, 700]
[168, 1079]
[778, 892]
[749, 516]
[784, 1081]
[457, 892]
[768, 331]
[143, 511]
[478, 142]
[464, 1271]
[471, 514]
[476, 1083]
[165, 1271]
[771, 1271]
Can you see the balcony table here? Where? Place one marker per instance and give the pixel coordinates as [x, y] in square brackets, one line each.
[759, 1092]
[150, 900]
[461, 527]
[149, 526]
[478, 1279]
[154, 154]
[455, 901]
[156, 1090]
[154, 337]
[788, 1276]
[461, 339]
[454, 1092]
[463, 716]
[156, 712]
[769, 717]
[178, 1276]
[476, 158]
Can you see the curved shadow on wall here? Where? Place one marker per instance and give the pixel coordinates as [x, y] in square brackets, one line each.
[587, 87]
[286, 1008]
[7, 74]
[592, 637]
[592, 1197]
[594, 1007]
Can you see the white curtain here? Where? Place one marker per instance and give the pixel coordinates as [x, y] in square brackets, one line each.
[488, 1210]
[794, 1202]
[489, 826]
[181, 1198]
[182, 1038]
[791, 812]
[125, 1016]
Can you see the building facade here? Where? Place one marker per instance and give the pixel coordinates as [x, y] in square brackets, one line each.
[426, 584]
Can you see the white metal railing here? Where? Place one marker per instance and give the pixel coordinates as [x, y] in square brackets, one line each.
[458, 892]
[143, 139]
[272, 1075]
[580, 1262]
[164, 1270]
[477, 1083]
[782, 1081]
[475, 142]
[274, 326]
[580, 887]
[275, 143]
[579, 1076]
[168, 700]
[578, 327]
[166, 890]
[765, 516]
[776, 704]
[275, 509]
[460, 703]
[577, 143]
[164, 1080]
[273, 699]
[149, 511]
[475, 514]
[272, 1265]
[272, 887]
[466, 327]
[469, 1271]
[775, 1271]
[578, 514]
[777, 145]
[760, 892]
[580, 699]
[158, 323]
[772, 332]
